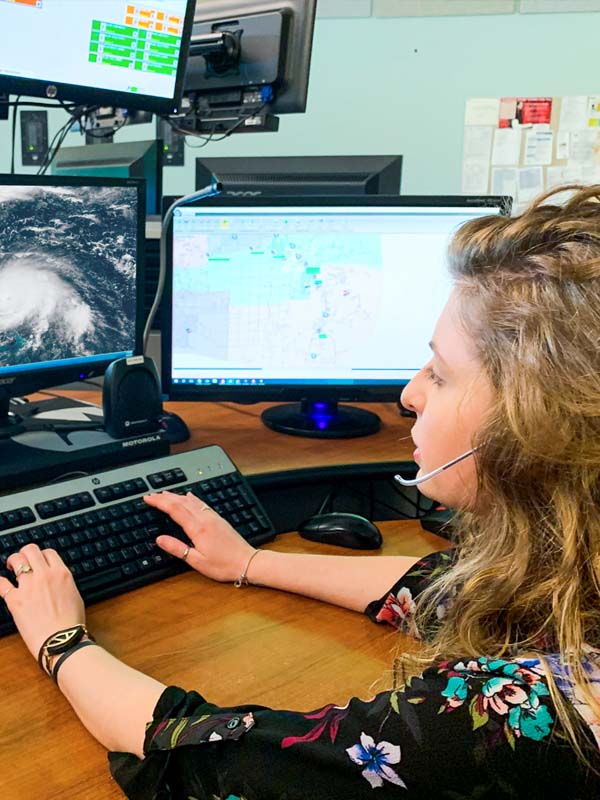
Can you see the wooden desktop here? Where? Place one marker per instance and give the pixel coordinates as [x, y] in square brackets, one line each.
[249, 645]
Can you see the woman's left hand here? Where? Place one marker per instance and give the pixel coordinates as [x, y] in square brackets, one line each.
[46, 599]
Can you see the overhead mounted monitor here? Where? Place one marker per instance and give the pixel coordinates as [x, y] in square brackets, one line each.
[118, 52]
[247, 55]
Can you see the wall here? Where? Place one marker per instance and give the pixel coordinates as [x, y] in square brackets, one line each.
[399, 85]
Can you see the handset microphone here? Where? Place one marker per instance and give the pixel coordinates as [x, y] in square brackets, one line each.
[435, 472]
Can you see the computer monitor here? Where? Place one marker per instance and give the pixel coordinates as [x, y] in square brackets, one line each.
[317, 300]
[290, 176]
[122, 160]
[247, 58]
[71, 280]
[117, 52]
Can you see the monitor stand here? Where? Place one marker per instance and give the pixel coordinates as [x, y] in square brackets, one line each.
[321, 420]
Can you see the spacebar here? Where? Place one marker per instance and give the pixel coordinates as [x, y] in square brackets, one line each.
[98, 580]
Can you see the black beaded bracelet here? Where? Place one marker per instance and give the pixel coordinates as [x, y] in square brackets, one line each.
[64, 656]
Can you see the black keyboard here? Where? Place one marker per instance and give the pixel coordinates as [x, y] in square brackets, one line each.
[106, 533]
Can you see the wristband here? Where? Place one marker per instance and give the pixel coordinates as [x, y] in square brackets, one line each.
[60, 642]
[64, 656]
[243, 579]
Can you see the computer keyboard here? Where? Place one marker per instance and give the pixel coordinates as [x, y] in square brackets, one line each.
[106, 533]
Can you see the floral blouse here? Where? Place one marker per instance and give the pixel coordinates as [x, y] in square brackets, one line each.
[470, 728]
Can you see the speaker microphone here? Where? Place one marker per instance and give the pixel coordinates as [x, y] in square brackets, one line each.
[131, 397]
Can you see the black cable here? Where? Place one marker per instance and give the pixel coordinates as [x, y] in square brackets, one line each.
[14, 133]
[240, 122]
[51, 154]
[328, 501]
[207, 139]
[45, 162]
[401, 514]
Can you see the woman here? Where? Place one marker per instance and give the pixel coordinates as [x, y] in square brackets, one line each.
[507, 705]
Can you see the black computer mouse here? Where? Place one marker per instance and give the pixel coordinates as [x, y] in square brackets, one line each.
[344, 530]
[174, 427]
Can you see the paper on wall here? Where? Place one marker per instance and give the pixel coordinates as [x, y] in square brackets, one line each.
[475, 176]
[562, 145]
[573, 112]
[554, 177]
[593, 111]
[482, 111]
[504, 181]
[507, 147]
[538, 147]
[516, 111]
[531, 183]
[581, 146]
[573, 173]
[478, 142]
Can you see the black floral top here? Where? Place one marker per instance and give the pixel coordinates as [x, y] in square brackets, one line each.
[472, 728]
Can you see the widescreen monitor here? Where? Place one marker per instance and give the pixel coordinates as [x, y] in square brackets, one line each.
[115, 52]
[289, 176]
[316, 300]
[71, 279]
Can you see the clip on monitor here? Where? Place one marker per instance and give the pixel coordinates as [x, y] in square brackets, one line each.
[122, 54]
[314, 300]
[71, 281]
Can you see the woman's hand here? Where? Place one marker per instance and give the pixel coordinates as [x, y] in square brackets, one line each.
[219, 552]
[46, 599]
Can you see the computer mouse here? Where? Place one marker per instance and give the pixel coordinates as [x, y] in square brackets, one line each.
[343, 530]
[174, 427]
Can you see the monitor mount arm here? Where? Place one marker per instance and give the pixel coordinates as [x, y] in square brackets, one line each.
[221, 51]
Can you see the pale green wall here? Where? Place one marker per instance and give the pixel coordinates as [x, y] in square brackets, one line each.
[400, 85]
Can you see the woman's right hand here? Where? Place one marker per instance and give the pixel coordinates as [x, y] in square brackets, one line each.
[219, 552]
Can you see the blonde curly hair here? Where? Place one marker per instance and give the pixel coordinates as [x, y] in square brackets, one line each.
[527, 574]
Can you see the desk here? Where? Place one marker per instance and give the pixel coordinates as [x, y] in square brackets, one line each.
[237, 646]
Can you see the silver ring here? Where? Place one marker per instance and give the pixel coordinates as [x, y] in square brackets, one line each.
[7, 592]
[186, 553]
[23, 569]
[205, 508]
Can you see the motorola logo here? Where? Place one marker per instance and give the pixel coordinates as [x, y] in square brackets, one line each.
[6, 381]
[143, 440]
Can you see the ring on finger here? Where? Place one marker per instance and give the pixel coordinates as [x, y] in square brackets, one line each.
[23, 569]
[7, 592]
[205, 508]
[184, 556]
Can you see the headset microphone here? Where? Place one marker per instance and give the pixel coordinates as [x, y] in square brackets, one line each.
[435, 472]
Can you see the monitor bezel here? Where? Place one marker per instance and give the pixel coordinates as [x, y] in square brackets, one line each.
[93, 96]
[24, 381]
[321, 393]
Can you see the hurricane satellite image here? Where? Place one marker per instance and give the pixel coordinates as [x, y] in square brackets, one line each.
[67, 272]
